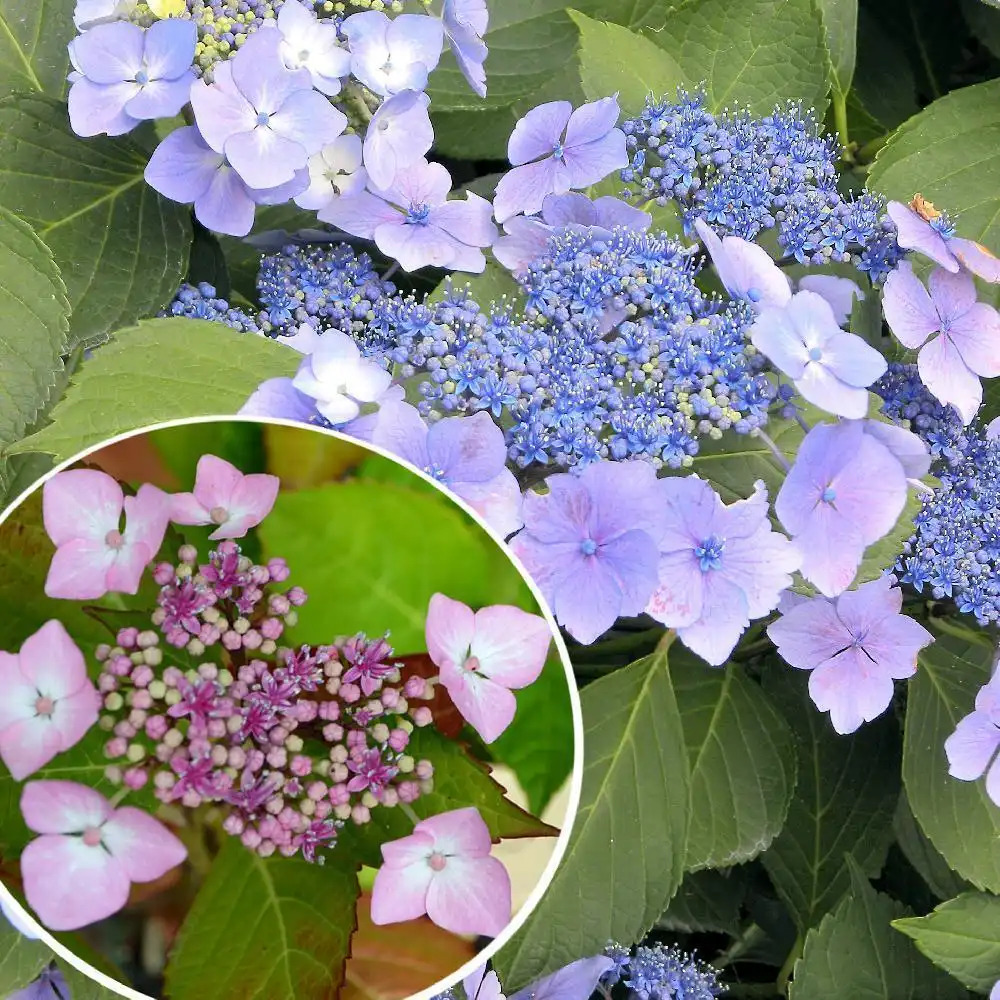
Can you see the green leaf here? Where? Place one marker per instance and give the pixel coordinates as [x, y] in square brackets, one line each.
[843, 803]
[82, 987]
[614, 59]
[950, 153]
[459, 781]
[538, 744]
[33, 38]
[626, 852]
[707, 901]
[757, 53]
[854, 953]
[984, 22]
[742, 759]
[840, 19]
[958, 817]
[884, 553]
[121, 248]
[923, 855]
[294, 921]
[407, 542]
[21, 959]
[884, 85]
[961, 936]
[159, 370]
[34, 320]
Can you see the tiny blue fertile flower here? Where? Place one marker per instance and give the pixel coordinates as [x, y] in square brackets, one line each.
[845, 491]
[414, 222]
[855, 647]
[399, 135]
[265, 118]
[124, 75]
[186, 169]
[974, 748]
[830, 368]
[555, 149]
[465, 23]
[466, 454]
[720, 566]
[389, 55]
[590, 544]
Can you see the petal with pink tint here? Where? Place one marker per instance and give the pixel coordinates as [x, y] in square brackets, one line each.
[79, 570]
[400, 894]
[460, 831]
[80, 503]
[28, 745]
[486, 705]
[536, 134]
[947, 376]
[407, 851]
[250, 501]
[449, 630]
[125, 572]
[497, 501]
[19, 695]
[908, 308]
[62, 807]
[976, 258]
[186, 508]
[724, 617]
[851, 688]
[147, 515]
[976, 335]
[143, 846]
[69, 884]
[510, 644]
[972, 747]
[809, 633]
[75, 714]
[470, 896]
[52, 661]
[214, 481]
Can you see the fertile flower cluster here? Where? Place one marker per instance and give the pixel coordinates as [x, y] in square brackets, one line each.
[955, 549]
[746, 175]
[206, 706]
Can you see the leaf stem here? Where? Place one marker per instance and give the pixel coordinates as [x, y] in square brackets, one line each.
[786, 970]
[840, 121]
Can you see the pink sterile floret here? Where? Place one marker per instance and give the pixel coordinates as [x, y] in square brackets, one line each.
[48, 702]
[223, 496]
[81, 867]
[82, 509]
[444, 869]
[482, 655]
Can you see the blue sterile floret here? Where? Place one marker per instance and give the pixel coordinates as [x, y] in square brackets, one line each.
[955, 550]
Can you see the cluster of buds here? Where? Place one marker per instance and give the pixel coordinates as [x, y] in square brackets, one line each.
[295, 742]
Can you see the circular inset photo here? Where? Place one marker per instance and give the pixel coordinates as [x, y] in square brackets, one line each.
[278, 719]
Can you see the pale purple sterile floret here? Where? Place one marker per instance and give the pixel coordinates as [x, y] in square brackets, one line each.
[414, 222]
[721, 566]
[590, 544]
[185, 168]
[855, 646]
[124, 75]
[845, 491]
[265, 118]
[466, 454]
[555, 149]
[525, 237]
[334, 172]
[746, 270]
[312, 44]
[398, 136]
[830, 367]
[841, 293]
[958, 338]
[465, 23]
[973, 749]
[389, 55]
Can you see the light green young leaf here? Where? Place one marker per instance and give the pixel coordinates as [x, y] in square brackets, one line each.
[962, 936]
[626, 852]
[158, 370]
[121, 248]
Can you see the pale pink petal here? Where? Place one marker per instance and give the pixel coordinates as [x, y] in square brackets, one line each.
[677, 600]
[460, 831]
[487, 706]
[947, 376]
[510, 644]
[908, 308]
[977, 259]
[147, 515]
[27, 745]
[62, 807]
[144, 847]
[74, 715]
[723, 620]
[19, 695]
[249, 503]
[808, 633]
[449, 631]
[400, 894]
[125, 572]
[69, 884]
[470, 896]
[79, 570]
[52, 661]
[851, 688]
[215, 480]
[411, 850]
[976, 335]
[80, 503]
[185, 508]
[498, 501]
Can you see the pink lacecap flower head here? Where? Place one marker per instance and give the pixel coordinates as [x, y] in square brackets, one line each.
[484, 654]
[82, 510]
[223, 496]
[81, 867]
[444, 869]
[48, 702]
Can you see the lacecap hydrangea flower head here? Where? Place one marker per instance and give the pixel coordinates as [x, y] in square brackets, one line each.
[206, 702]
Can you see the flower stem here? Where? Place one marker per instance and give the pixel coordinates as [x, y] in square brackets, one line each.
[840, 121]
[775, 450]
[408, 812]
[786, 970]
